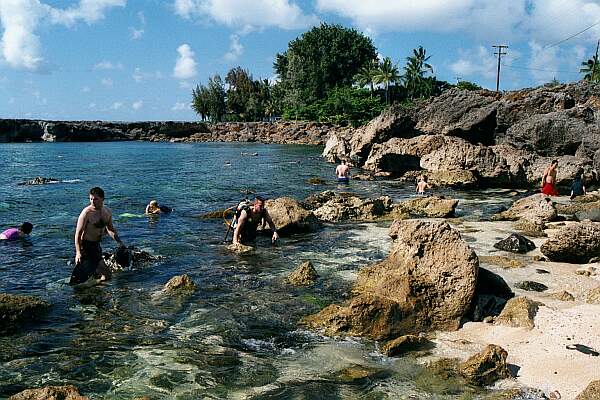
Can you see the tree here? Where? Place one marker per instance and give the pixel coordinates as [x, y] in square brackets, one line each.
[216, 98]
[591, 67]
[467, 85]
[321, 59]
[200, 101]
[386, 74]
[366, 75]
[414, 74]
[240, 89]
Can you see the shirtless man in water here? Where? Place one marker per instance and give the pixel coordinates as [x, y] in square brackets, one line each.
[342, 171]
[549, 180]
[91, 224]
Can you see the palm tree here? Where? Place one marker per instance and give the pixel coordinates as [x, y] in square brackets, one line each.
[591, 68]
[414, 72]
[386, 74]
[366, 75]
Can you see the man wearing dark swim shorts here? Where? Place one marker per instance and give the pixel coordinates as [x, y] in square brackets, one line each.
[93, 221]
[342, 172]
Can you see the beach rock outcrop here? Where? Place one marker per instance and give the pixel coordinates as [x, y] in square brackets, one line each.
[290, 217]
[459, 178]
[515, 243]
[593, 296]
[180, 283]
[405, 344]
[426, 283]
[531, 213]
[575, 243]
[17, 309]
[581, 208]
[519, 312]
[485, 367]
[591, 392]
[67, 392]
[335, 207]
[431, 206]
[304, 275]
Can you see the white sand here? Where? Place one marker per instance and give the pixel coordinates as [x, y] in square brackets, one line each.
[540, 355]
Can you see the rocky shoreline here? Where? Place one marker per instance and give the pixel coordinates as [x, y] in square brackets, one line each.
[24, 130]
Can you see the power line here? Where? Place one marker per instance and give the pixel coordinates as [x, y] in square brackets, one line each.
[538, 69]
[572, 36]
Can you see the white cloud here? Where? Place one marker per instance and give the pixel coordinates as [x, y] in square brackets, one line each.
[185, 66]
[235, 48]
[107, 82]
[185, 85]
[247, 15]
[543, 62]
[137, 33]
[116, 105]
[107, 65]
[474, 63]
[180, 106]
[546, 20]
[137, 105]
[141, 76]
[20, 45]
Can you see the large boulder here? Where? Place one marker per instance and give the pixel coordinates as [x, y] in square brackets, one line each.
[290, 217]
[485, 367]
[519, 312]
[426, 283]
[574, 243]
[16, 309]
[431, 206]
[336, 148]
[67, 392]
[581, 209]
[452, 178]
[343, 207]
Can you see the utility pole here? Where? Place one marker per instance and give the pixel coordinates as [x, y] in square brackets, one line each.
[500, 53]
[595, 61]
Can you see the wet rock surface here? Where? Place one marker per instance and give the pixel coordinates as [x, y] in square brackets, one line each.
[431, 206]
[486, 367]
[427, 283]
[304, 275]
[16, 310]
[290, 217]
[68, 392]
[336, 207]
[575, 243]
[405, 344]
[515, 243]
[180, 284]
[124, 258]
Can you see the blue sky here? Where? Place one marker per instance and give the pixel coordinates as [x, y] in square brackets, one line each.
[139, 59]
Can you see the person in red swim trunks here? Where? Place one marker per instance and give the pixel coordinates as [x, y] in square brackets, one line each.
[549, 180]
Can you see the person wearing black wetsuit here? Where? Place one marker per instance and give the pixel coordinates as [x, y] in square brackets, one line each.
[248, 221]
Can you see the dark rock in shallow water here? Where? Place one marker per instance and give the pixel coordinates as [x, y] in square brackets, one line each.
[40, 180]
[180, 283]
[515, 243]
[531, 286]
[405, 344]
[122, 258]
[15, 309]
[486, 367]
[491, 294]
[304, 275]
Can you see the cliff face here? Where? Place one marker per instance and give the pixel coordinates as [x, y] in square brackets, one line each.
[504, 139]
[21, 130]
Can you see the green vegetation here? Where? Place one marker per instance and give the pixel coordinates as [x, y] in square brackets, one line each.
[466, 85]
[328, 74]
[591, 69]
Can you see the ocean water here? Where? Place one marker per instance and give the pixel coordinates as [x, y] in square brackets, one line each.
[237, 336]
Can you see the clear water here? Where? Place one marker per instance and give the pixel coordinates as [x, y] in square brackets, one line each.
[237, 336]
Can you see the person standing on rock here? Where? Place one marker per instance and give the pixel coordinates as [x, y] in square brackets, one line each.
[343, 172]
[248, 221]
[549, 180]
[93, 221]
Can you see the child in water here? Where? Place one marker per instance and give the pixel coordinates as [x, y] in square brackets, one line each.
[17, 233]
[422, 185]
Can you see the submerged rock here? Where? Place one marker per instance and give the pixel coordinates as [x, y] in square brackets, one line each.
[180, 283]
[67, 392]
[515, 243]
[575, 243]
[16, 309]
[405, 344]
[519, 312]
[591, 392]
[485, 367]
[304, 275]
[40, 180]
[124, 258]
[240, 248]
[531, 286]
[426, 283]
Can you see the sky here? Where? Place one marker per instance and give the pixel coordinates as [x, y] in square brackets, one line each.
[133, 60]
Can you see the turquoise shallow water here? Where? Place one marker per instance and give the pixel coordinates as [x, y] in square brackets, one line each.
[237, 336]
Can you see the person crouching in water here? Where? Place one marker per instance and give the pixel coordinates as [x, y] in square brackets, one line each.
[17, 233]
[248, 221]
[91, 224]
